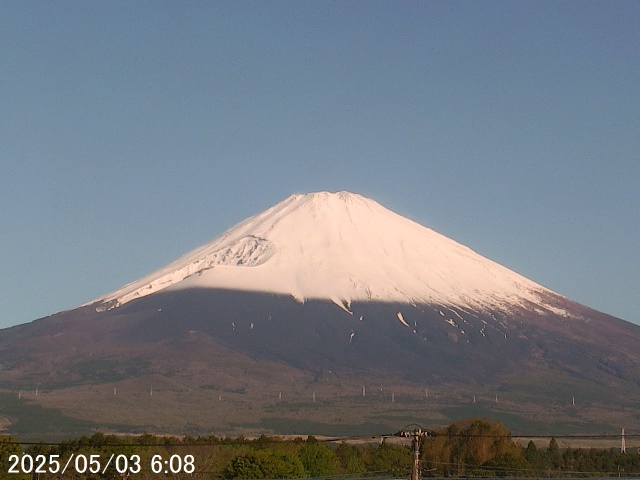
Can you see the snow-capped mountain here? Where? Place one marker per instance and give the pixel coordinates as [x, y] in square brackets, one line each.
[322, 292]
[343, 247]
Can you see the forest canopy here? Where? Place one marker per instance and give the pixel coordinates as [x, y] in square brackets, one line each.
[469, 448]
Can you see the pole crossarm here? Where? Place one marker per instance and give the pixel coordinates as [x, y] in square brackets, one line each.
[416, 433]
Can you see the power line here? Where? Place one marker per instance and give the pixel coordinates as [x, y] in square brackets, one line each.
[404, 433]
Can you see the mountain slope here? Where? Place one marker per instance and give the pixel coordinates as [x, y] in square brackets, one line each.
[316, 298]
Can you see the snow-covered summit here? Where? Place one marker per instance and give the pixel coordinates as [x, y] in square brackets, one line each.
[344, 247]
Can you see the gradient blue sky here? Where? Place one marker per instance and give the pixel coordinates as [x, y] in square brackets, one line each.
[133, 132]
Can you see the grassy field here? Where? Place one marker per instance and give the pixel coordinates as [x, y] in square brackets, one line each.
[163, 405]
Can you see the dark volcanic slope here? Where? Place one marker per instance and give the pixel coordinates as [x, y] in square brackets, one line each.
[424, 343]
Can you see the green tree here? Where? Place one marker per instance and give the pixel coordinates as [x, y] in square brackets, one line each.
[7, 448]
[464, 447]
[318, 460]
[535, 456]
[554, 458]
[482, 441]
[351, 459]
[243, 466]
[264, 464]
[389, 458]
[508, 465]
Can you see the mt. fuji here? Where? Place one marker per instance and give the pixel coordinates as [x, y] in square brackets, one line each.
[280, 323]
[342, 247]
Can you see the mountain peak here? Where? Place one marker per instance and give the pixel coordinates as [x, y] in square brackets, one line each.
[333, 200]
[326, 203]
[343, 247]
[324, 196]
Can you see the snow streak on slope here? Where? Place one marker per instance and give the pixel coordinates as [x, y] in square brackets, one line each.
[343, 247]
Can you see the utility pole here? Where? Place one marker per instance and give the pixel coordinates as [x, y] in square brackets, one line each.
[415, 435]
[415, 445]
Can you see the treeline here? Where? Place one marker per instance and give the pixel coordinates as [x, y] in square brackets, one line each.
[152, 457]
[470, 448]
[482, 448]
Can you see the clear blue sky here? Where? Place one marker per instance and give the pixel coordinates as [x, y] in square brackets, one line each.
[132, 132]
